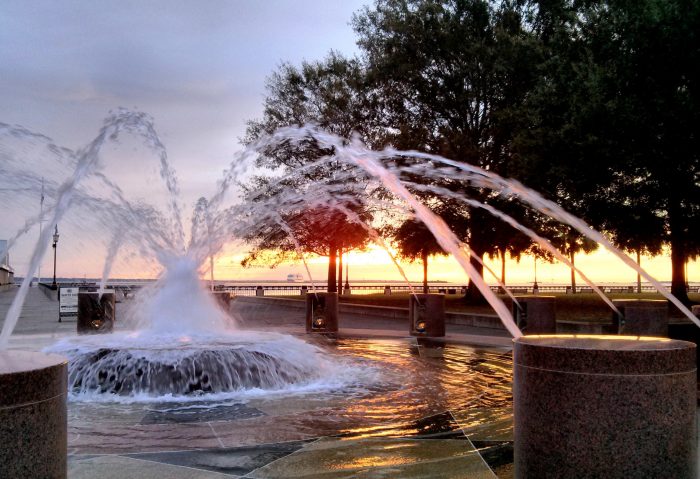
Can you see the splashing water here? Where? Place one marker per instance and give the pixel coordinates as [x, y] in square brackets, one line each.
[178, 305]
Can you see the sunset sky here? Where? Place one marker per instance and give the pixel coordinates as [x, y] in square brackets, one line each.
[199, 70]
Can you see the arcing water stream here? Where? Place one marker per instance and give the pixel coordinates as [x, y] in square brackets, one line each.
[99, 202]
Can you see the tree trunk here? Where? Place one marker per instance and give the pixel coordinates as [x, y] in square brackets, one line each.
[678, 280]
[678, 252]
[473, 295]
[340, 271]
[425, 272]
[503, 267]
[332, 255]
[573, 273]
[639, 276]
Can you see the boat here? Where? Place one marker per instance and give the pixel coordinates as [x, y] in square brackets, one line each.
[293, 278]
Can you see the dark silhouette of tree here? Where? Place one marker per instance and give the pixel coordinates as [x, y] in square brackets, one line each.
[330, 94]
[614, 117]
[414, 240]
[449, 76]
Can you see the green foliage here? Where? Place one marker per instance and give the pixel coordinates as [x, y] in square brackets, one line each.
[593, 103]
[329, 94]
[614, 115]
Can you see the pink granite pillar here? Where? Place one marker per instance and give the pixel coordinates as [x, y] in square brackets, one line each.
[96, 314]
[33, 417]
[536, 314]
[426, 315]
[641, 317]
[223, 299]
[322, 312]
[604, 406]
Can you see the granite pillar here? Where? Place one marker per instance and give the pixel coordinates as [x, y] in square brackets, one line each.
[426, 315]
[536, 314]
[33, 418]
[96, 314]
[223, 299]
[604, 406]
[322, 313]
[641, 317]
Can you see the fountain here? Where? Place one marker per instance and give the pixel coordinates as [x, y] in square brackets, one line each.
[181, 345]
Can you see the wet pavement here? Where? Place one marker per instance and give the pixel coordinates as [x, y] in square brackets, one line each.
[436, 410]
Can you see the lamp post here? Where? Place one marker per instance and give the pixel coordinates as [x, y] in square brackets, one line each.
[55, 240]
[347, 267]
[535, 286]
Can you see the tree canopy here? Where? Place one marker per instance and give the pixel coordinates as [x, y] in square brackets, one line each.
[593, 103]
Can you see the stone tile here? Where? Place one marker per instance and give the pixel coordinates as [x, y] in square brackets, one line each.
[286, 405]
[267, 429]
[174, 413]
[498, 455]
[377, 458]
[486, 424]
[118, 439]
[119, 467]
[234, 461]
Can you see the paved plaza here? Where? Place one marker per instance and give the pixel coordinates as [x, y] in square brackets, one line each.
[445, 412]
[415, 430]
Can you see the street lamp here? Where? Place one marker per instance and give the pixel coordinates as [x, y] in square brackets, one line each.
[55, 240]
[347, 268]
[535, 286]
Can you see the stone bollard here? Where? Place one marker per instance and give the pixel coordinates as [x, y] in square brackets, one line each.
[33, 415]
[322, 313]
[426, 315]
[607, 406]
[346, 289]
[387, 290]
[536, 314]
[223, 299]
[95, 314]
[696, 311]
[304, 290]
[259, 291]
[641, 317]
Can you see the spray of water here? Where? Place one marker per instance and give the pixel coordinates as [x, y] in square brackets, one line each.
[143, 229]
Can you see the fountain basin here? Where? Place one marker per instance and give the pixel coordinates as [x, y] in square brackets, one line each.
[148, 365]
[604, 406]
[33, 419]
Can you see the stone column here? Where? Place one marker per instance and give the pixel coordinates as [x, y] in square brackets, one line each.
[387, 290]
[259, 291]
[223, 299]
[426, 315]
[536, 314]
[33, 417]
[696, 310]
[322, 313]
[95, 314]
[304, 290]
[641, 317]
[607, 406]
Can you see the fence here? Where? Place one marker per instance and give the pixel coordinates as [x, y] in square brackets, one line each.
[299, 289]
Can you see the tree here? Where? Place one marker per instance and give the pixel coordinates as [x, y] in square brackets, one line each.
[449, 75]
[330, 94]
[616, 112]
[415, 241]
